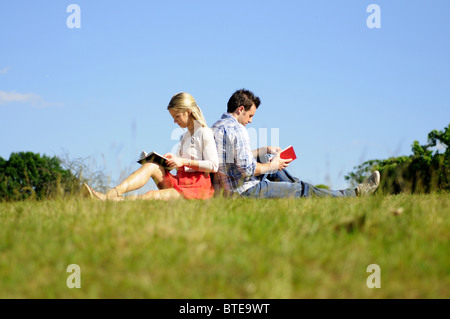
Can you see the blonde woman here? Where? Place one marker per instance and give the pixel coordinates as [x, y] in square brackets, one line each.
[195, 158]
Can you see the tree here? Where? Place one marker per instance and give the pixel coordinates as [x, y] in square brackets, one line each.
[29, 175]
[422, 172]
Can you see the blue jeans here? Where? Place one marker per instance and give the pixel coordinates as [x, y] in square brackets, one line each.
[282, 184]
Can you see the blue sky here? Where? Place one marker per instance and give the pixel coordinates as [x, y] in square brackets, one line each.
[340, 92]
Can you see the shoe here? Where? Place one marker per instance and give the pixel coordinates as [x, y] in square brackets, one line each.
[87, 192]
[369, 186]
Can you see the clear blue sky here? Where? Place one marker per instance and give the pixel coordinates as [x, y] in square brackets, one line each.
[338, 91]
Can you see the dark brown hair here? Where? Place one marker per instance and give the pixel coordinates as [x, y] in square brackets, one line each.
[244, 98]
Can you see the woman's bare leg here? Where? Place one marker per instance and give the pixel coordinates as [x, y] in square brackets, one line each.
[135, 181]
[161, 194]
[138, 179]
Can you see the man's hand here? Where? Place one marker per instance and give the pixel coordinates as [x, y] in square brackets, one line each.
[278, 164]
[273, 149]
[260, 152]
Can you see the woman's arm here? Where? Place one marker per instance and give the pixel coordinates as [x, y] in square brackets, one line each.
[210, 162]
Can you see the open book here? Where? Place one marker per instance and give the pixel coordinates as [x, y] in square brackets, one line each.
[288, 153]
[153, 157]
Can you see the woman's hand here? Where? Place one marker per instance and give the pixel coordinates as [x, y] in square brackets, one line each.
[173, 161]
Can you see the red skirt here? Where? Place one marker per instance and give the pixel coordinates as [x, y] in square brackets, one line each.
[191, 185]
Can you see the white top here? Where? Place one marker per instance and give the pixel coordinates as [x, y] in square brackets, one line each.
[200, 147]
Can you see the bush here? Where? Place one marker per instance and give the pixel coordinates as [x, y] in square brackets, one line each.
[424, 171]
[29, 175]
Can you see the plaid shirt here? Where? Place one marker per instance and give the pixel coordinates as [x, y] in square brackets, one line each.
[236, 163]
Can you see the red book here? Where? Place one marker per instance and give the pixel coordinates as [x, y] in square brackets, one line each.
[288, 153]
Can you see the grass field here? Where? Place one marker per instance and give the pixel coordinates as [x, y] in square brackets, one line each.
[235, 248]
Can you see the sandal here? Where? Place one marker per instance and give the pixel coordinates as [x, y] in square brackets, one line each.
[87, 191]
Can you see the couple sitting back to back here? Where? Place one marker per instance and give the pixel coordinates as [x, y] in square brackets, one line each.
[223, 149]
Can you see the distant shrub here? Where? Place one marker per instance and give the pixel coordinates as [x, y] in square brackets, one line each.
[29, 175]
[424, 171]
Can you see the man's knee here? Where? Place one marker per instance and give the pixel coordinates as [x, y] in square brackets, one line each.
[307, 190]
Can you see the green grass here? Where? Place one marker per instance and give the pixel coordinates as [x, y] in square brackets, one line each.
[235, 248]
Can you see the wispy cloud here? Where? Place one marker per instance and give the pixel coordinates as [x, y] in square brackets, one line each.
[5, 70]
[33, 99]
[8, 97]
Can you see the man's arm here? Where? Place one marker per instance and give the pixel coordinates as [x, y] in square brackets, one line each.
[244, 160]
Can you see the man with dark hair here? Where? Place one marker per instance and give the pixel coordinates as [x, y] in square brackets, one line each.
[241, 174]
[242, 97]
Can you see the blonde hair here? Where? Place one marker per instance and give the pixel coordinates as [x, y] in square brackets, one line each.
[182, 102]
